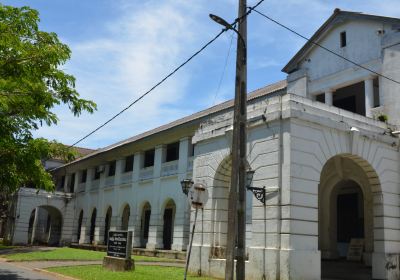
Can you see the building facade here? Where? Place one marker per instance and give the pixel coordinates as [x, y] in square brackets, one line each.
[330, 167]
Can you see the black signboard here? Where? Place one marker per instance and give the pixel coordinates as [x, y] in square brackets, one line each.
[119, 244]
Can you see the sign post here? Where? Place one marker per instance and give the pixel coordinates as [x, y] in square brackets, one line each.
[119, 248]
[198, 196]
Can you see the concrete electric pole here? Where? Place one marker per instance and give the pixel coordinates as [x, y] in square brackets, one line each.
[237, 194]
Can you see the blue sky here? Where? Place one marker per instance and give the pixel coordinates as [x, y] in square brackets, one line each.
[121, 48]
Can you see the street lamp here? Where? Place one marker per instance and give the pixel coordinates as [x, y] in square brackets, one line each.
[259, 193]
[228, 26]
[186, 185]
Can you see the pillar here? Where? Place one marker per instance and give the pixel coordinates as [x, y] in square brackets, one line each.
[329, 97]
[35, 222]
[369, 96]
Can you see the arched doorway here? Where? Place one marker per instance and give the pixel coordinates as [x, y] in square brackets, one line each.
[79, 228]
[125, 217]
[45, 226]
[107, 224]
[168, 224]
[219, 214]
[145, 224]
[347, 187]
[92, 226]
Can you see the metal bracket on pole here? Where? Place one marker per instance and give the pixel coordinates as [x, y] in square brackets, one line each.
[259, 193]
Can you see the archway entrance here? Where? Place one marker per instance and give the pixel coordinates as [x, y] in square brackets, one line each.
[168, 228]
[107, 224]
[45, 224]
[145, 224]
[346, 222]
[219, 214]
[125, 217]
[79, 229]
[92, 226]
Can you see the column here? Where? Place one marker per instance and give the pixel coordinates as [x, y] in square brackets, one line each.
[369, 96]
[35, 222]
[137, 165]
[158, 160]
[182, 215]
[329, 97]
[119, 168]
[77, 180]
[155, 240]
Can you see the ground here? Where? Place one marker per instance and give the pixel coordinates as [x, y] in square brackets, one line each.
[26, 262]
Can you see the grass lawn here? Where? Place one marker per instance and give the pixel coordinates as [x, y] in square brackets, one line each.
[70, 254]
[4, 247]
[96, 272]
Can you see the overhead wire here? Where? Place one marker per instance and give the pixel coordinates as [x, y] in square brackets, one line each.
[223, 71]
[321, 46]
[167, 76]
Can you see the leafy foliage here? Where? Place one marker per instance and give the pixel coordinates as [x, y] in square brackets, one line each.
[31, 84]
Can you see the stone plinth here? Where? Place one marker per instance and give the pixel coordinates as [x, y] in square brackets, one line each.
[118, 264]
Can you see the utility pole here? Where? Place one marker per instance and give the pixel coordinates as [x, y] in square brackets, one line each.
[237, 194]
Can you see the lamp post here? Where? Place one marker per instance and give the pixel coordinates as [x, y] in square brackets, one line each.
[186, 184]
[237, 193]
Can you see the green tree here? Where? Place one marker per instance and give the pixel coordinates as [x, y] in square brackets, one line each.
[31, 84]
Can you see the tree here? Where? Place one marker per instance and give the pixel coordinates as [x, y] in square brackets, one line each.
[31, 84]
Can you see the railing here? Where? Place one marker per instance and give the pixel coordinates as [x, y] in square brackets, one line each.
[190, 164]
[169, 168]
[95, 184]
[146, 173]
[109, 181]
[81, 187]
[126, 177]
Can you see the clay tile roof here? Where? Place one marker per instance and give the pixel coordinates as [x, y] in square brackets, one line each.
[281, 85]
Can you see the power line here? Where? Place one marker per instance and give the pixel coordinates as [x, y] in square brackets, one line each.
[319, 45]
[152, 88]
[223, 71]
[168, 76]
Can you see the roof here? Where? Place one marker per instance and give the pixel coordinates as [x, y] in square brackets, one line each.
[338, 16]
[278, 86]
[83, 151]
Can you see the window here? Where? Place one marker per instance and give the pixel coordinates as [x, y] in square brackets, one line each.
[72, 183]
[83, 176]
[111, 168]
[343, 40]
[148, 158]
[96, 173]
[172, 152]
[128, 164]
[62, 182]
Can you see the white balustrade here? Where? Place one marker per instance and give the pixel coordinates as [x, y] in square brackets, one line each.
[146, 173]
[169, 168]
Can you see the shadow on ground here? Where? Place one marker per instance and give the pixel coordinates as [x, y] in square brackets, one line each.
[345, 270]
[25, 250]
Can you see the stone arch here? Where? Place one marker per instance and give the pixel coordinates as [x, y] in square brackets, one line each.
[126, 213]
[346, 173]
[79, 228]
[219, 208]
[45, 226]
[145, 223]
[169, 210]
[107, 224]
[92, 226]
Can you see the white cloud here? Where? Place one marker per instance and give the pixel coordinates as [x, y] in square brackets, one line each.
[148, 39]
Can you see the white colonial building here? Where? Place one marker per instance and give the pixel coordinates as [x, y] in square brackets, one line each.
[330, 167]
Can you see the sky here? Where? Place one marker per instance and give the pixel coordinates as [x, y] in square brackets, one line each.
[121, 48]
